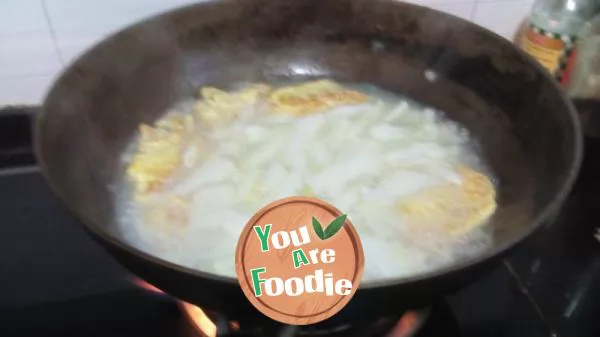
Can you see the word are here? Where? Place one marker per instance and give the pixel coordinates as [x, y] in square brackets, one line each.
[295, 286]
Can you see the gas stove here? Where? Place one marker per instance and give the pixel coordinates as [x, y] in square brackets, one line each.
[55, 281]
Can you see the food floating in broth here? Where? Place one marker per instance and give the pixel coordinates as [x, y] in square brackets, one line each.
[455, 207]
[313, 97]
[159, 152]
[409, 178]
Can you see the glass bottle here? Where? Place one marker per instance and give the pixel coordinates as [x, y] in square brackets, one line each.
[552, 30]
[584, 87]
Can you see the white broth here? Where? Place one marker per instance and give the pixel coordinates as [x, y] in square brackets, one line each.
[365, 158]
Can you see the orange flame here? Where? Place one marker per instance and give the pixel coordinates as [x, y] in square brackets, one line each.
[196, 316]
[406, 326]
[147, 286]
[200, 322]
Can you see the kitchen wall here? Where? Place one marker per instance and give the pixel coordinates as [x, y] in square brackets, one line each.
[40, 37]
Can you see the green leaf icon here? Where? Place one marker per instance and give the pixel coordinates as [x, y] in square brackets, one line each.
[318, 229]
[335, 226]
[331, 229]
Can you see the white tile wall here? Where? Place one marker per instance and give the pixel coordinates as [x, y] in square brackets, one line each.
[502, 17]
[40, 37]
[24, 89]
[461, 9]
[18, 16]
[28, 53]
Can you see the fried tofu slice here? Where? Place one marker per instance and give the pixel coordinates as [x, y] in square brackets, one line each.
[219, 107]
[313, 97]
[158, 153]
[453, 208]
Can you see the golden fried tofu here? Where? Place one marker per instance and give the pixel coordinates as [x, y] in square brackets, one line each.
[158, 153]
[237, 99]
[176, 123]
[210, 116]
[313, 97]
[219, 106]
[453, 208]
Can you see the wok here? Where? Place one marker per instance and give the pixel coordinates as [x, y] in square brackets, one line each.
[527, 128]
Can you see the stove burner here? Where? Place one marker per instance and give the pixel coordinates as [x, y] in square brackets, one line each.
[434, 321]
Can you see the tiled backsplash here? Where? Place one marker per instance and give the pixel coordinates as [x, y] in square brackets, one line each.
[39, 37]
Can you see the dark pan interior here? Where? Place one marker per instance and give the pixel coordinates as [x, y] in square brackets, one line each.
[527, 129]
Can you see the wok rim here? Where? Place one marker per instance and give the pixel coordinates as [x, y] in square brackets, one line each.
[544, 215]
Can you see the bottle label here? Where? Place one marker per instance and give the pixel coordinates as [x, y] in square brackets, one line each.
[568, 67]
[554, 51]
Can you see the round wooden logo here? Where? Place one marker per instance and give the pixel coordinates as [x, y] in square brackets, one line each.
[299, 260]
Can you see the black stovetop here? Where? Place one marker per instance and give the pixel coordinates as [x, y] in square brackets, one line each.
[55, 281]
